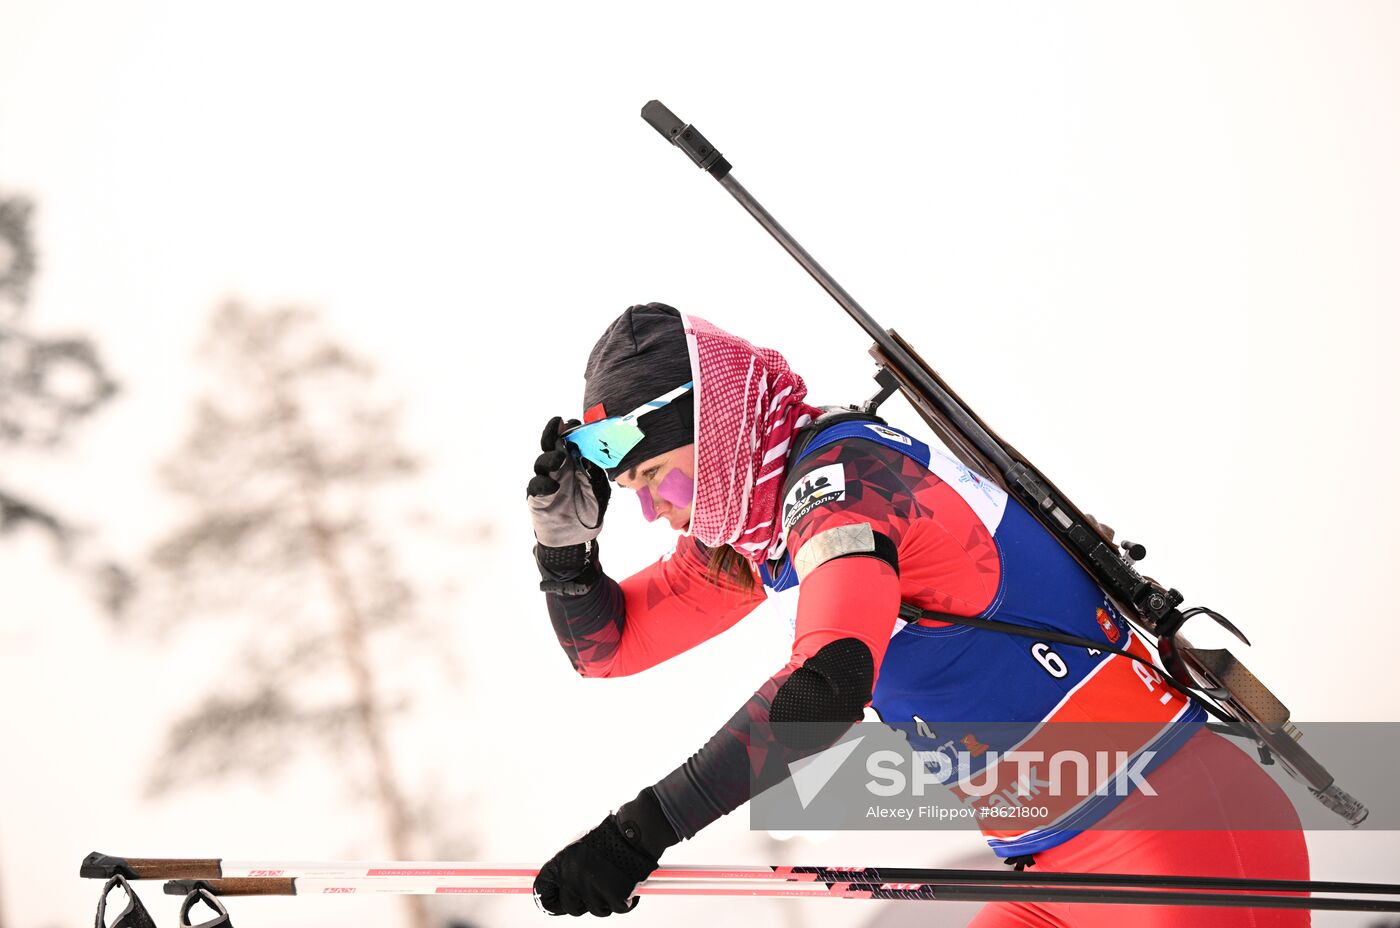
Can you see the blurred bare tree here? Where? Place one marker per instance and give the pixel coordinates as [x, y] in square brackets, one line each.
[284, 474]
[48, 384]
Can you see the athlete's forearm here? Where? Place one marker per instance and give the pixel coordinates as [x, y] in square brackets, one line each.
[613, 628]
[589, 626]
[720, 777]
[843, 625]
[586, 606]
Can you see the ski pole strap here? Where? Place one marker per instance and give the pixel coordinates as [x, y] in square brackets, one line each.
[909, 613]
[133, 916]
[202, 894]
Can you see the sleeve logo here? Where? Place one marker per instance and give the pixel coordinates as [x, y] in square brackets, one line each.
[821, 486]
[890, 434]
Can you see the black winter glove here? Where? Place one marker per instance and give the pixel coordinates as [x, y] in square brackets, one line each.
[599, 872]
[568, 495]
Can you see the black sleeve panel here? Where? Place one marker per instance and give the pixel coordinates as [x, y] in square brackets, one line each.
[830, 689]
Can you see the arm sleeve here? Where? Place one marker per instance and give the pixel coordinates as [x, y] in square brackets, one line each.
[620, 628]
[850, 597]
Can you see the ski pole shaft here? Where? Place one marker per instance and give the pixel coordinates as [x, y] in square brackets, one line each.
[927, 892]
[104, 866]
[398, 886]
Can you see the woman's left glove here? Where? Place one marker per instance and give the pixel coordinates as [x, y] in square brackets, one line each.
[568, 495]
[599, 872]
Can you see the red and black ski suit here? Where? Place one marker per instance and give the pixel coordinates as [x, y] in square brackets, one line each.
[963, 548]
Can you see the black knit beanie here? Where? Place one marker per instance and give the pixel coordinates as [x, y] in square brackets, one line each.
[642, 356]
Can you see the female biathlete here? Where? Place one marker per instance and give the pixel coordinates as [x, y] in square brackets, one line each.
[770, 493]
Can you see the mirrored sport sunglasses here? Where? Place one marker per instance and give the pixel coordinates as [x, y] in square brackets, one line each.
[607, 441]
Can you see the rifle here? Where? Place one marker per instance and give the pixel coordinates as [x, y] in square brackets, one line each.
[1230, 691]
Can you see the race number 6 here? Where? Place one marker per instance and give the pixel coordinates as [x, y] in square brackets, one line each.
[1054, 664]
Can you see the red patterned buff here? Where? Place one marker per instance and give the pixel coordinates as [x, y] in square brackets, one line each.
[748, 402]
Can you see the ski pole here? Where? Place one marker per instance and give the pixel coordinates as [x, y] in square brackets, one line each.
[914, 892]
[105, 866]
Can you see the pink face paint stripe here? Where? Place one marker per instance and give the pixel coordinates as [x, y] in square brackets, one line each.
[648, 507]
[677, 489]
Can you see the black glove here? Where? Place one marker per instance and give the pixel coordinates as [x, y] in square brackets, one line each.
[599, 872]
[568, 495]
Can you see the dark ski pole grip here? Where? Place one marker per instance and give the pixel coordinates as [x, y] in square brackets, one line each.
[105, 866]
[685, 137]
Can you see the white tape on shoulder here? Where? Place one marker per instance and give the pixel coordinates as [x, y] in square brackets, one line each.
[834, 543]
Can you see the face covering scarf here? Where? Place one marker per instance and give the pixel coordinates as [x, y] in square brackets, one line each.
[748, 404]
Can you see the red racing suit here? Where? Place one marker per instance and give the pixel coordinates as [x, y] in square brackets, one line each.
[963, 548]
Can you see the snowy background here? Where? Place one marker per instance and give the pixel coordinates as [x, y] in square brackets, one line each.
[1154, 245]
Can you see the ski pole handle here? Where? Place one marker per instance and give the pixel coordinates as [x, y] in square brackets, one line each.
[105, 866]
